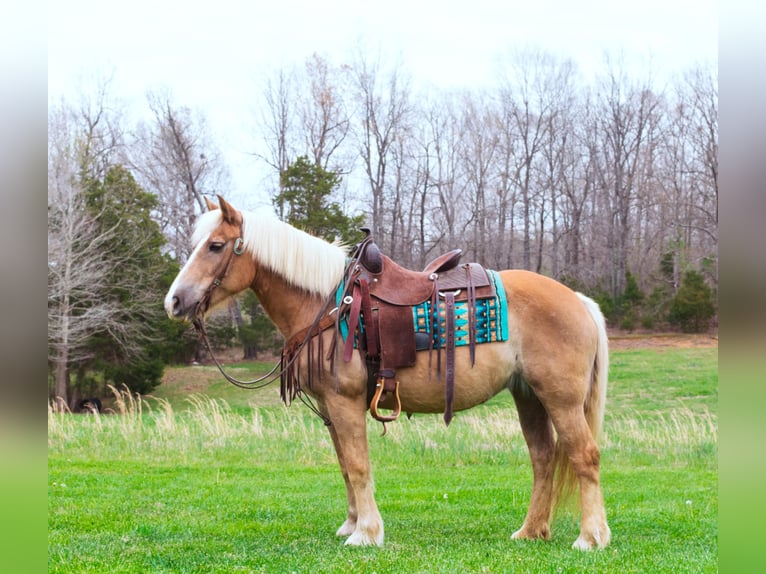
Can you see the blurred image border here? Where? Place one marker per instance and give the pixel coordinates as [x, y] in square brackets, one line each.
[742, 207]
[742, 467]
[23, 132]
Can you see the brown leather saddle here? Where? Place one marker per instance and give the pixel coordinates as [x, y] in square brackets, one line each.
[380, 317]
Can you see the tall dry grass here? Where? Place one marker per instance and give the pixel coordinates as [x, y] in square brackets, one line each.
[147, 427]
[681, 433]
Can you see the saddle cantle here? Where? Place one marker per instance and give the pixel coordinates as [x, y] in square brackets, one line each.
[444, 262]
[380, 316]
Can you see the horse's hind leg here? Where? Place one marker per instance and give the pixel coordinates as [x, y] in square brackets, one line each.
[538, 433]
[348, 527]
[583, 453]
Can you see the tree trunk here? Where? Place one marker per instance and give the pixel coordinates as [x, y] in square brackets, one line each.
[248, 351]
[62, 377]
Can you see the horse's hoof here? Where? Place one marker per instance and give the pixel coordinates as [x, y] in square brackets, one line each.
[582, 544]
[598, 539]
[359, 539]
[523, 533]
[346, 529]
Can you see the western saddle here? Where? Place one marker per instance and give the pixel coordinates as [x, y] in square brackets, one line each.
[378, 300]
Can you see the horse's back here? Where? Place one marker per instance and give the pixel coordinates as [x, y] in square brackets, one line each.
[545, 313]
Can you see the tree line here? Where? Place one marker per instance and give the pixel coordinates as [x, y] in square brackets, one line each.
[610, 187]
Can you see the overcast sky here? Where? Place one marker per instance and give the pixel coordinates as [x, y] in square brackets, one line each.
[212, 54]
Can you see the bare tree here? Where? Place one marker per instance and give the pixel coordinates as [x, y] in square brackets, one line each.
[582, 182]
[78, 259]
[624, 118]
[577, 185]
[76, 267]
[529, 100]
[325, 118]
[276, 121]
[423, 226]
[384, 108]
[506, 188]
[703, 88]
[100, 137]
[305, 113]
[478, 156]
[444, 129]
[176, 160]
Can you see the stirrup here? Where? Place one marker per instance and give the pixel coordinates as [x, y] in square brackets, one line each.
[379, 389]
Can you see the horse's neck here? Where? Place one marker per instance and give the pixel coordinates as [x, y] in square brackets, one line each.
[290, 308]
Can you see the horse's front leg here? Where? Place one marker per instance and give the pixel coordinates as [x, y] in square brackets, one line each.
[348, 417]
[348, 527]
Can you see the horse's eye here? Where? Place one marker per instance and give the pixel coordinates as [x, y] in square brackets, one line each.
[216, 246]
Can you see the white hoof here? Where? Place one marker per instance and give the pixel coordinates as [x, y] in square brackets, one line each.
[599, 539]
[360, 538]
[582, 544]
[347, 528]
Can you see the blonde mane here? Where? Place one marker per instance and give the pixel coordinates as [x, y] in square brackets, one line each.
[305, 261]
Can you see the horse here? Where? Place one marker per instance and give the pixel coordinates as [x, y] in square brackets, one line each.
[554, 363]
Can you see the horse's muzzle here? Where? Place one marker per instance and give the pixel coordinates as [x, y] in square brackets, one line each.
[180, 305]
[176, 309]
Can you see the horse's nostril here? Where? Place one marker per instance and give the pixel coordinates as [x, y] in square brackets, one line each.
[180, 303]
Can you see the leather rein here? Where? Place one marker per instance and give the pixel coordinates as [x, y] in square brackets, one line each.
[273, 375]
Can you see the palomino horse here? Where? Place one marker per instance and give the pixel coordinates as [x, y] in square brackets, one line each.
[554, 363]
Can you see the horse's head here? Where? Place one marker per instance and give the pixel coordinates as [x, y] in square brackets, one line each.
[215, 269]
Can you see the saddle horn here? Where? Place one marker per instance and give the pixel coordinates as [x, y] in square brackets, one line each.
[370, 256]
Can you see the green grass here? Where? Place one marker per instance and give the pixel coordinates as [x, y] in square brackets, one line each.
[179, 382]
[180, 485]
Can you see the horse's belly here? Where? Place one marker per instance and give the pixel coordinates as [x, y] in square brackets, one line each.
[491, 372]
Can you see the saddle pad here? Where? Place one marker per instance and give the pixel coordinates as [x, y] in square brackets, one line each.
[491, 319]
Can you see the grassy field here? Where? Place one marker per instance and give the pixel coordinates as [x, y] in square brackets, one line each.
[205, 477]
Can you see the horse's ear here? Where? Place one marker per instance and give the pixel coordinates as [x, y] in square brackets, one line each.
[210, 205]
[230, 215]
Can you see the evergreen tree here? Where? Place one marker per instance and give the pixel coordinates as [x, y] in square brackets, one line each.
[693, 306]
[305, 201]
[259, 334]
[136, 356]
[630, 302]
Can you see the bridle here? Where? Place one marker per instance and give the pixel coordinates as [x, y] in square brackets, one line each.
[272, 376]
[204, 302]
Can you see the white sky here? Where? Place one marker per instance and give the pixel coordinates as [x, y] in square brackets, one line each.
[212, 54]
